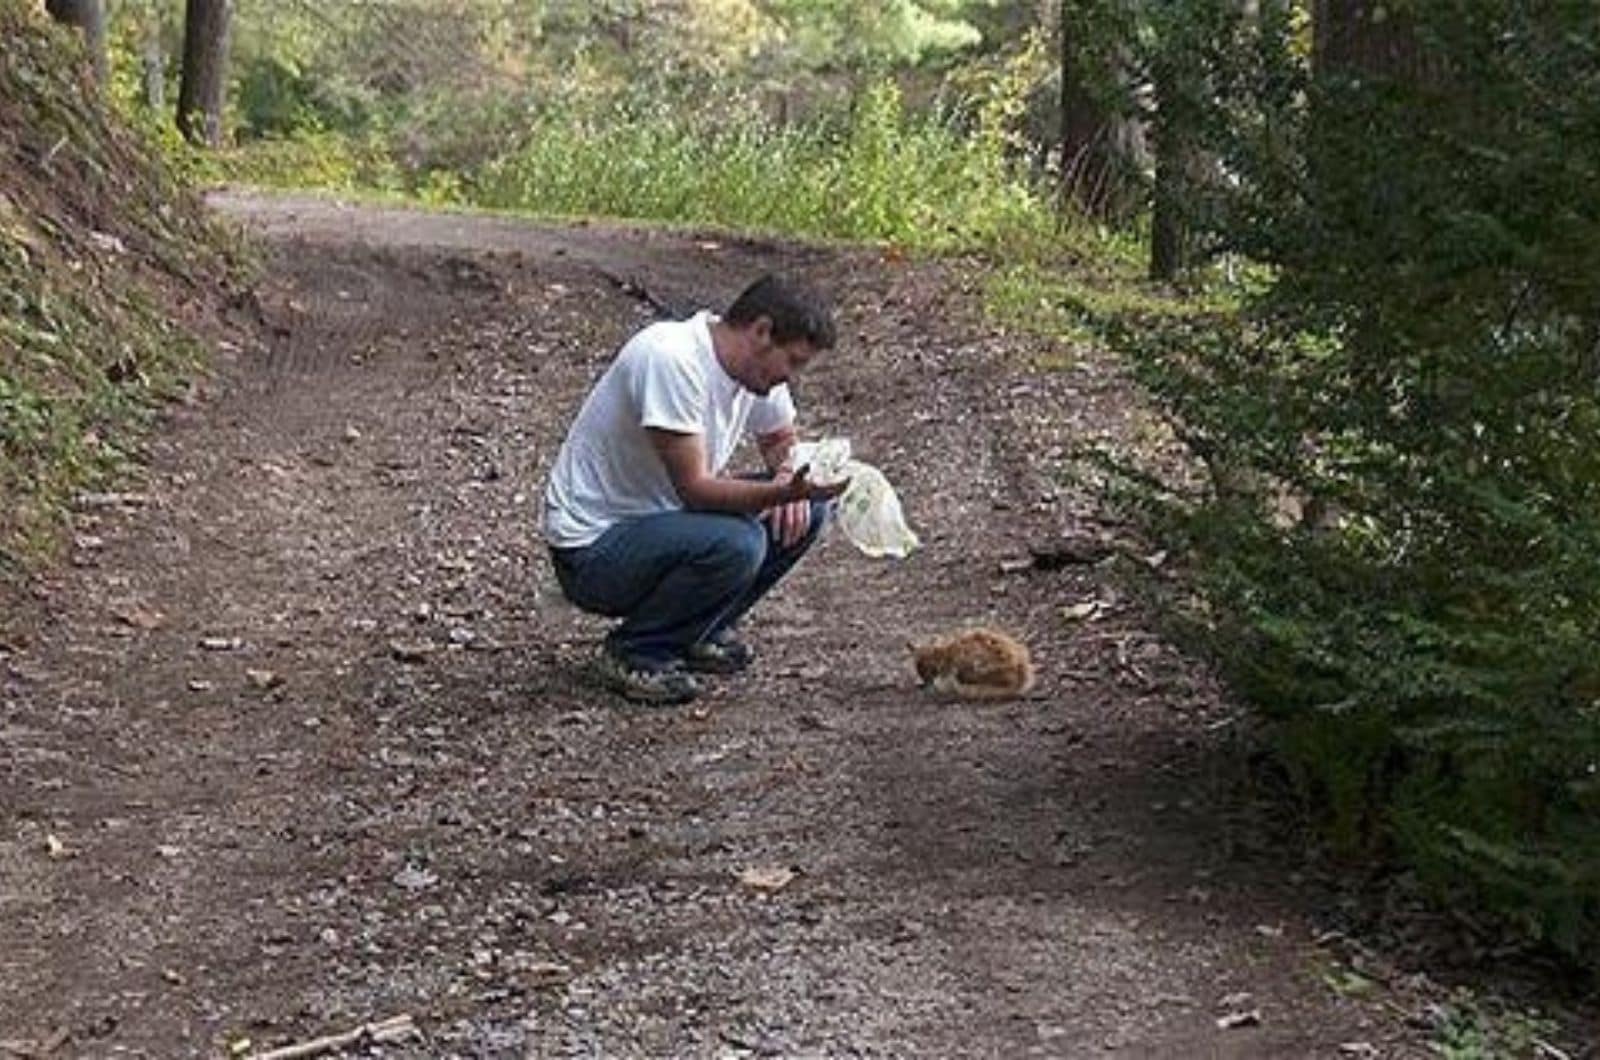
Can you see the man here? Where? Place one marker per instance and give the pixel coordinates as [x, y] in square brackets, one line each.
[642, 523]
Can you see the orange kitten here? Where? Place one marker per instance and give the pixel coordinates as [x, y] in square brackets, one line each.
[975, 664]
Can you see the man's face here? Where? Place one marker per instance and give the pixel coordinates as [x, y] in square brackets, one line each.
[773, 363]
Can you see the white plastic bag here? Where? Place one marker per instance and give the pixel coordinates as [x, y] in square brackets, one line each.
[869, 510]
[826, 460]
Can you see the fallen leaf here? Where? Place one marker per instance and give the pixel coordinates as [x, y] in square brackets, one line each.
[111, 500]
[415, 879]
[107, 242]
[1070, 551]
[546, 972]
[767, 878]
[1250, 1018]
[263, 679]
[410, 651]
[138, 617]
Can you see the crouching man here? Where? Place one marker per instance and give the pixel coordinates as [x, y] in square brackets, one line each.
[642, 522]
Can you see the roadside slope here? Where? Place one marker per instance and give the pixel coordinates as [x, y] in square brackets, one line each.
[114, 281]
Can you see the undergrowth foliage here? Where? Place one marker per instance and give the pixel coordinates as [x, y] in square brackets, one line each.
[98, 241]
[871, 171]
[1395, 555]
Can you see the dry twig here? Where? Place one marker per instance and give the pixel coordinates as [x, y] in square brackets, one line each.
[393, 1029]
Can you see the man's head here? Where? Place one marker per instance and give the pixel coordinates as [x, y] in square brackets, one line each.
[779, 324]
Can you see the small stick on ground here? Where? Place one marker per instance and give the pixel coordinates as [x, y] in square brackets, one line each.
[392, 1029]
[32, 1050]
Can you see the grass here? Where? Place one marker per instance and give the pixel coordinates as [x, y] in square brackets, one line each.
[1467, 1027]
[874, 174]
[100, 248]
[82, 361]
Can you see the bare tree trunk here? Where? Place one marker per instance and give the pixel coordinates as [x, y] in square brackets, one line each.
[1094, 171]
[153, 59]
[203, 88]
[1177, 167]
[1168, 232]
[1365, 37]
[89, 16]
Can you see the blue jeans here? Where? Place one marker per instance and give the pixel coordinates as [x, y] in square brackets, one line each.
[677, 578]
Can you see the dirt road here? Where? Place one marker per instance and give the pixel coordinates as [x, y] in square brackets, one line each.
[302, 737]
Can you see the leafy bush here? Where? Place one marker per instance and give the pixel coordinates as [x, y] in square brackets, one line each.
[1396, 553]
[874, 173]
[309, 158]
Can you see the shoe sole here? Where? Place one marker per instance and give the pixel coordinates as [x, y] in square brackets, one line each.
[634, 694]
[711, 666]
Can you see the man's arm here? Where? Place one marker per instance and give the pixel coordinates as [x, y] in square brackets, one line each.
[776, 447]
[788, 522]
[685, 458]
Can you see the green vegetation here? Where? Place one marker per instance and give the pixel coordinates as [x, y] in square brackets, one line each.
[1468, 1028]
[1394, 554]
[878, 174]
[875, 173]
[538, 108]
[96, 238]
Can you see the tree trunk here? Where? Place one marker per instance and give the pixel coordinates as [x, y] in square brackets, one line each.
[153, 60]
[1096, 163]
[1168, 232]
[1177, 166]
[89, 16]
[203, 88]
[1364, 37]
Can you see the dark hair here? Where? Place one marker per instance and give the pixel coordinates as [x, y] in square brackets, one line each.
[796, 311]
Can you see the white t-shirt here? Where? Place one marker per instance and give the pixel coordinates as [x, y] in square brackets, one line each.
[667, 376]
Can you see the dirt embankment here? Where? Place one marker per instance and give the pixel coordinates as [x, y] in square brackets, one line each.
[112, 277]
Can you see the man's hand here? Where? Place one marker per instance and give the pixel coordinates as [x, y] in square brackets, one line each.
[799, 487]
[789, 522]
[684, 456]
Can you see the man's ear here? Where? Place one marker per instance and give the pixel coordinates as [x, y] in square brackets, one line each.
[761, 331]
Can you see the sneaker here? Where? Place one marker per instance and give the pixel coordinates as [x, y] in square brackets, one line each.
[722, 655]
[665, 685]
